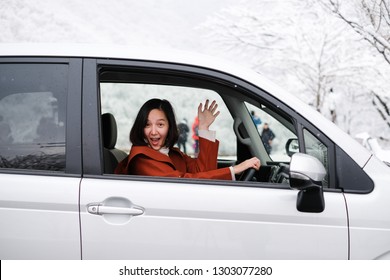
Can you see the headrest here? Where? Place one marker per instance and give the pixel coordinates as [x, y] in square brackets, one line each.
[109, 129]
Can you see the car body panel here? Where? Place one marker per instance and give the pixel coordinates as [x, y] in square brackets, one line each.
[210, 222]
[39, 217]
[369, 216]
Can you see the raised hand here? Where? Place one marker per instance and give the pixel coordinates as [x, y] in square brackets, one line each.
[207, 114]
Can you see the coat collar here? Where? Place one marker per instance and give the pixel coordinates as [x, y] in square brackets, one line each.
[149, 152]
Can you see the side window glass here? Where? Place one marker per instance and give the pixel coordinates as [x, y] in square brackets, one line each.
[274, 131]
[123, 100]
[319, 150]
[32, 116]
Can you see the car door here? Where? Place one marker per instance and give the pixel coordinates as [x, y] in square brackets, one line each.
[40, 158]
[138, 217]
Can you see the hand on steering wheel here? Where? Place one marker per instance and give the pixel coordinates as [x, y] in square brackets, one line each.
[248, 174]
[250, 166]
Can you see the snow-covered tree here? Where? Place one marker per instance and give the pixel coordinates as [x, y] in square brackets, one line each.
[306, 49]
[370, 19]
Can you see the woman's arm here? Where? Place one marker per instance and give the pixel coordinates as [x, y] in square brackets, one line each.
[143, 165]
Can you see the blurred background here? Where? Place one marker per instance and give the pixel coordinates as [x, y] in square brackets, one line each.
[334, 55]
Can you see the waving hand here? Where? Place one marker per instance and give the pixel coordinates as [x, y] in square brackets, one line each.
[207, 114]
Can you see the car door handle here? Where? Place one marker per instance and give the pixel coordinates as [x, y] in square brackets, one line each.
[98, 209]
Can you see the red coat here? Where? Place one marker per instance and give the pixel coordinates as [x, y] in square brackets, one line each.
[143, 160]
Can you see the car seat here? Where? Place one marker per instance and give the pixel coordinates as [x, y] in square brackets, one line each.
[112, 156]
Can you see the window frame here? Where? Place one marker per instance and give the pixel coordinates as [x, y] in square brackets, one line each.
[73, 163]
[93, 165]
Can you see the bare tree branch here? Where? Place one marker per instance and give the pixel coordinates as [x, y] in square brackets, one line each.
[374, 12]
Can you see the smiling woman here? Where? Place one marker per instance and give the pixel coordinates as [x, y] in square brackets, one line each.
[154, 134]
[155, 125]
[156, 129]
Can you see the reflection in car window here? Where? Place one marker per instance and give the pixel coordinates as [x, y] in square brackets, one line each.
[32, 118]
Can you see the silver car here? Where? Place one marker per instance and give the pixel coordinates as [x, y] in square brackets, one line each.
[66, 113]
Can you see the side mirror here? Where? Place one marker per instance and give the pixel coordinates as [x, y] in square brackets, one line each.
[292, 146]
[306, 175]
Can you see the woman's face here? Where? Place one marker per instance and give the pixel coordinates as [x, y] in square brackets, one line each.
[156, 129]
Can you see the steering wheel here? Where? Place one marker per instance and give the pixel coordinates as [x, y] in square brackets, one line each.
[248, 174]
[279, 174]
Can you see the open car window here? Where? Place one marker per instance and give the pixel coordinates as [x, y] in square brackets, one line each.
[123, 100]
[240, 127]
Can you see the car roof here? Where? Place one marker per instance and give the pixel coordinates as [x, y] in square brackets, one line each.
[108, 51]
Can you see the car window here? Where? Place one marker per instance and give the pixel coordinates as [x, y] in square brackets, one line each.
[273, 132]
[317, 149]
[241, 127]
[281, 141]
[123, 101]
[32, 116]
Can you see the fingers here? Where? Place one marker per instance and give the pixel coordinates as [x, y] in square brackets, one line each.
[255, 163]
[207, 114]
[206, 105]
[212, 107]
[249, 163]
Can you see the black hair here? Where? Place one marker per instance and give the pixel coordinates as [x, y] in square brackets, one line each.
[137, 137]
